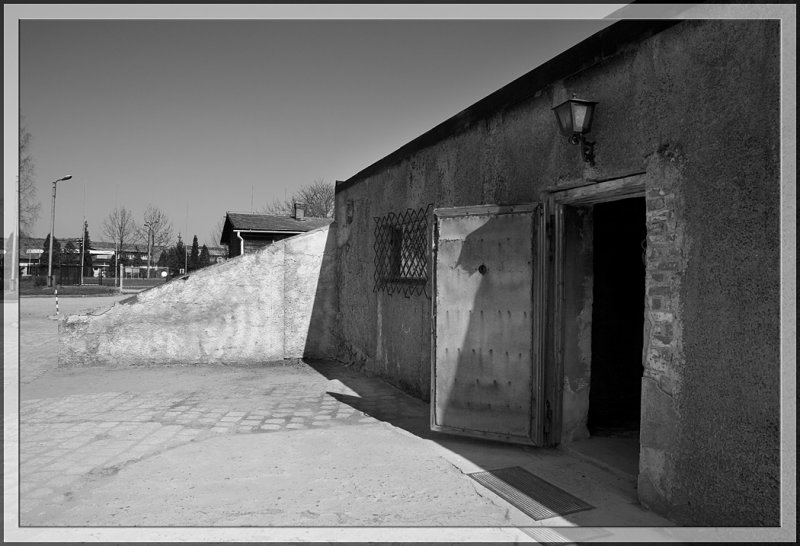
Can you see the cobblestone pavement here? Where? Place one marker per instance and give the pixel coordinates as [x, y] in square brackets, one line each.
[67, 441]
[71, 436]
[103, 447]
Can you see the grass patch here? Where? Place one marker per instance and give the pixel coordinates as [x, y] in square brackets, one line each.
[85, 290]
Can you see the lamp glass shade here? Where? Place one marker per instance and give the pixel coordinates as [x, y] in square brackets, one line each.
[582, 117]
[575, 116]
[564, 116]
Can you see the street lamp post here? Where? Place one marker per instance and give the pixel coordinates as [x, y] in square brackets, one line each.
[52, 230]
[152, 250]
[151, 226]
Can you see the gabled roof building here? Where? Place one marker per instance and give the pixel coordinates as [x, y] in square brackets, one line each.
[244, 233]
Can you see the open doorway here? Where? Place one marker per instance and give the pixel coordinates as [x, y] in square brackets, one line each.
[617, 318]
[618, 232]
[598, 318]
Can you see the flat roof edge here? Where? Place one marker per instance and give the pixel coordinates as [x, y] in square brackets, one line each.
[582, 55]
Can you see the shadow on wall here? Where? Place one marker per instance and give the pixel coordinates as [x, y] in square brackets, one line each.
[320, 324]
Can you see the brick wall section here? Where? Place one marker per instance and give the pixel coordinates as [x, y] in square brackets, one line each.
[274, 304]
[667, 251]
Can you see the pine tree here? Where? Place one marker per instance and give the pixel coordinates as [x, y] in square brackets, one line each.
[87, 246]
[44, 259]
[194, 256]
[71, 253]
[177, 258]
[205, 258]
[138, 257]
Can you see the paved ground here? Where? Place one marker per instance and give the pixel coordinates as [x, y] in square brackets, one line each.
[250, 450]
[39, 334]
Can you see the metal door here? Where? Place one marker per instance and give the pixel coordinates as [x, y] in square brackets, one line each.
[487, 321]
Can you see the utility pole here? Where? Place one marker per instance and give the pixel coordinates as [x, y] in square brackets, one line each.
[151, 242]
[83, 246]
[185, 252]
[149, 226]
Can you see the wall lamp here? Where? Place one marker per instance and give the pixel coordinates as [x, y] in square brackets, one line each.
[575, 120]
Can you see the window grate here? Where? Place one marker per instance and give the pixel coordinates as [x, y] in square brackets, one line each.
[401, 252]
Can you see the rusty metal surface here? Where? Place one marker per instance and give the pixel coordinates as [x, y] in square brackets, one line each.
[534, 496]
[483, 325]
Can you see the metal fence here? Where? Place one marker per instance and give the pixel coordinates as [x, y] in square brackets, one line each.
[139, 278]
[70, 275]
[134, 278]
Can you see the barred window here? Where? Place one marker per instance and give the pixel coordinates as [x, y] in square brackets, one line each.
[401, 252]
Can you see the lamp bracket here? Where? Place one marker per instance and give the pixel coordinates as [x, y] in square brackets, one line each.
[587, 146]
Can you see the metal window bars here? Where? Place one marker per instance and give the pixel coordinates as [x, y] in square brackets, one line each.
[401, 252]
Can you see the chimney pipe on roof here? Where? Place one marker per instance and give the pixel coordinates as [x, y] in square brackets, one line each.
[299, 211]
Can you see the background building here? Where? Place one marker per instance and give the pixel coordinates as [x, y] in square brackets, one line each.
[243, 233]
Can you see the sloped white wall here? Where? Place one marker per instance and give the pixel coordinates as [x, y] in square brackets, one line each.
[273, 304]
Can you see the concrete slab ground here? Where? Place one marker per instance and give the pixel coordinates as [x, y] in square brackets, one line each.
[293, 451]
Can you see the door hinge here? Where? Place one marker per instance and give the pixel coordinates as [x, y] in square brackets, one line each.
[548, 418]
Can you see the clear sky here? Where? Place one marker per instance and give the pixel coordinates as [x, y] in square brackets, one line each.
[199, 117]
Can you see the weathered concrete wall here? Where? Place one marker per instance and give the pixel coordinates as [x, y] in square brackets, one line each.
[695, 108]
[276, 303]
[710, 438]
[577, 338]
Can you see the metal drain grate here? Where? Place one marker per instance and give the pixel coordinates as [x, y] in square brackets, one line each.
[534, 496]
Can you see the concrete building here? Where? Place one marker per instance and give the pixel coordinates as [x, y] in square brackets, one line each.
[540, 292]
[244, 233]
[636, 294]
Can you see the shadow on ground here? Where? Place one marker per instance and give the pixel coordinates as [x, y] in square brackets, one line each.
[613, 495]
[387, 403]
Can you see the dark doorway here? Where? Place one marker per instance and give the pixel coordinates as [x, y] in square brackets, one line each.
[617, 318]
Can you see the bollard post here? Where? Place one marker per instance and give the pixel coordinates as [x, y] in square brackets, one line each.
[56, 291]
[121, 270]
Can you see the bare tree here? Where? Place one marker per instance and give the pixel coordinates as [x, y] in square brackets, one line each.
[120, 227]
[29, 206]
[318, 197]
[155, 230]
[277, 208]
